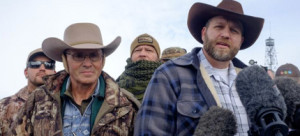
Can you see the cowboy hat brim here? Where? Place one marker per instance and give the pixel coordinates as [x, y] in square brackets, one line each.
[200, 13]
[54, 47]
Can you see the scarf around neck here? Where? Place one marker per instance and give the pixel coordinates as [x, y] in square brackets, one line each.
[136, 76]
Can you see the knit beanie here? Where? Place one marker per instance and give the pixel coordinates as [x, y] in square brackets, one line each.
[145, 39]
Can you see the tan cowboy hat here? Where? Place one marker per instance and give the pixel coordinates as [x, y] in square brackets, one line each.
[200, 13]
[78, 36]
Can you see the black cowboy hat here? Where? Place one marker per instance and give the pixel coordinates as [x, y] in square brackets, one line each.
[200, 13]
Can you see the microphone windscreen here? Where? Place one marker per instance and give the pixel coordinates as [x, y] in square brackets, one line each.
[257, 91]
[216, 122]
[290, 90]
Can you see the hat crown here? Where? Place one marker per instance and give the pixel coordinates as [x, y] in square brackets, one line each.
[289, 70]
[82, 33]
[173, 52]
[232, 6]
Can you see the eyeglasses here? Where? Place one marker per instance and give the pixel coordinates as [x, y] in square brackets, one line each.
[78, 56]
[37, 64]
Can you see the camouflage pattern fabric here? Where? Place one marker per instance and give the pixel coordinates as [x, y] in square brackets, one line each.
[172, 52]
[41, 114]
[9, 108]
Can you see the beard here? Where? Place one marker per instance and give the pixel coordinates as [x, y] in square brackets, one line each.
[219, 54]
[37, 80]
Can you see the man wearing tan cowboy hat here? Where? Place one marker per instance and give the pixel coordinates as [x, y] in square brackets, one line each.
[181, 90]
[144, 59]
[81, 100]
[38, 65]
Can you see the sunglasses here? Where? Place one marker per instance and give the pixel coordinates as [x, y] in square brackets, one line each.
[37, 64]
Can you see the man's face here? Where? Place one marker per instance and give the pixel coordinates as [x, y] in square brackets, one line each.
[144, 52]
[222, 38]
[85, 66]
[35, 75]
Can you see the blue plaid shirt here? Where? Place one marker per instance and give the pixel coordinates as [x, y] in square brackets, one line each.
[175, 98]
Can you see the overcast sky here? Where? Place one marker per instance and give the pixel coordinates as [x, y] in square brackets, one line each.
[26, 23]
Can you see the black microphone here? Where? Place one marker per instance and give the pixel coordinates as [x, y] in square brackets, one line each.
[291, 93]
[263, 102]
[216, 122]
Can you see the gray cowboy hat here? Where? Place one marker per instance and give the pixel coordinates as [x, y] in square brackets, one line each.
[78, 36]
[200, 13]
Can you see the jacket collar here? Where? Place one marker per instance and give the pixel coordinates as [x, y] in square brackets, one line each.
[191, 58]
[54, 84]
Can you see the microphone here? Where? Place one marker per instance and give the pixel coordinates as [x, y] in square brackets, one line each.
[291, 93]
[216, 122]
[263, 102]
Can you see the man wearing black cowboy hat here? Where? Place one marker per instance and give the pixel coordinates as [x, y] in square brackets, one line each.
[181, 90]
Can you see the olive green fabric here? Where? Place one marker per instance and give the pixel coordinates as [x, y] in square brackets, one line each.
[136, 76]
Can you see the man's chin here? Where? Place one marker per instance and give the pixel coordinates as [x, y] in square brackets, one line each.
[222, 57]
[37, 84]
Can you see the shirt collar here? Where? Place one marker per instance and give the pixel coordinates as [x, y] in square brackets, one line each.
[209, 68]
[96, 91]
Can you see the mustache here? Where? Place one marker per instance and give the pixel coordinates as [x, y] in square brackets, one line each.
[226, 42]
[40, 74]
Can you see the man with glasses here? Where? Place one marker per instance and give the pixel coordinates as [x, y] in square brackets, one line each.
[38, 65]
[82, 99]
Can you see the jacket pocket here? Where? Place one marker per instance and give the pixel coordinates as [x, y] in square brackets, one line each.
[118, 122]
[193, 109]
[115, 115]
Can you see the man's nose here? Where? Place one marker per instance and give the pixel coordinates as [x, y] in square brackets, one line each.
[143, 53]
[87, 60]
[42, 67]
[225, 33]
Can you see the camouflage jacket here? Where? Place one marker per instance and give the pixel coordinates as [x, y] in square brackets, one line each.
[9, 108]
[41, 114]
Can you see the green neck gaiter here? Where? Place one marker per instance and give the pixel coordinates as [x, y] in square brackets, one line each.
[136, 76]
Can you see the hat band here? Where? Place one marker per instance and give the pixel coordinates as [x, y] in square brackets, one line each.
[77, 43]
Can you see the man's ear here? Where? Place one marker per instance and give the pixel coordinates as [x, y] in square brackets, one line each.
[26, 72]
[203, 31]
[65, 63]
[242, 40]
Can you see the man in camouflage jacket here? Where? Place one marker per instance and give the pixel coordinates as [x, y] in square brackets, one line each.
[82, 100]
[34, 72]
[43, 109]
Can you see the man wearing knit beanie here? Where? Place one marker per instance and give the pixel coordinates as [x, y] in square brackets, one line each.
[144, 47]
[144, 59]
